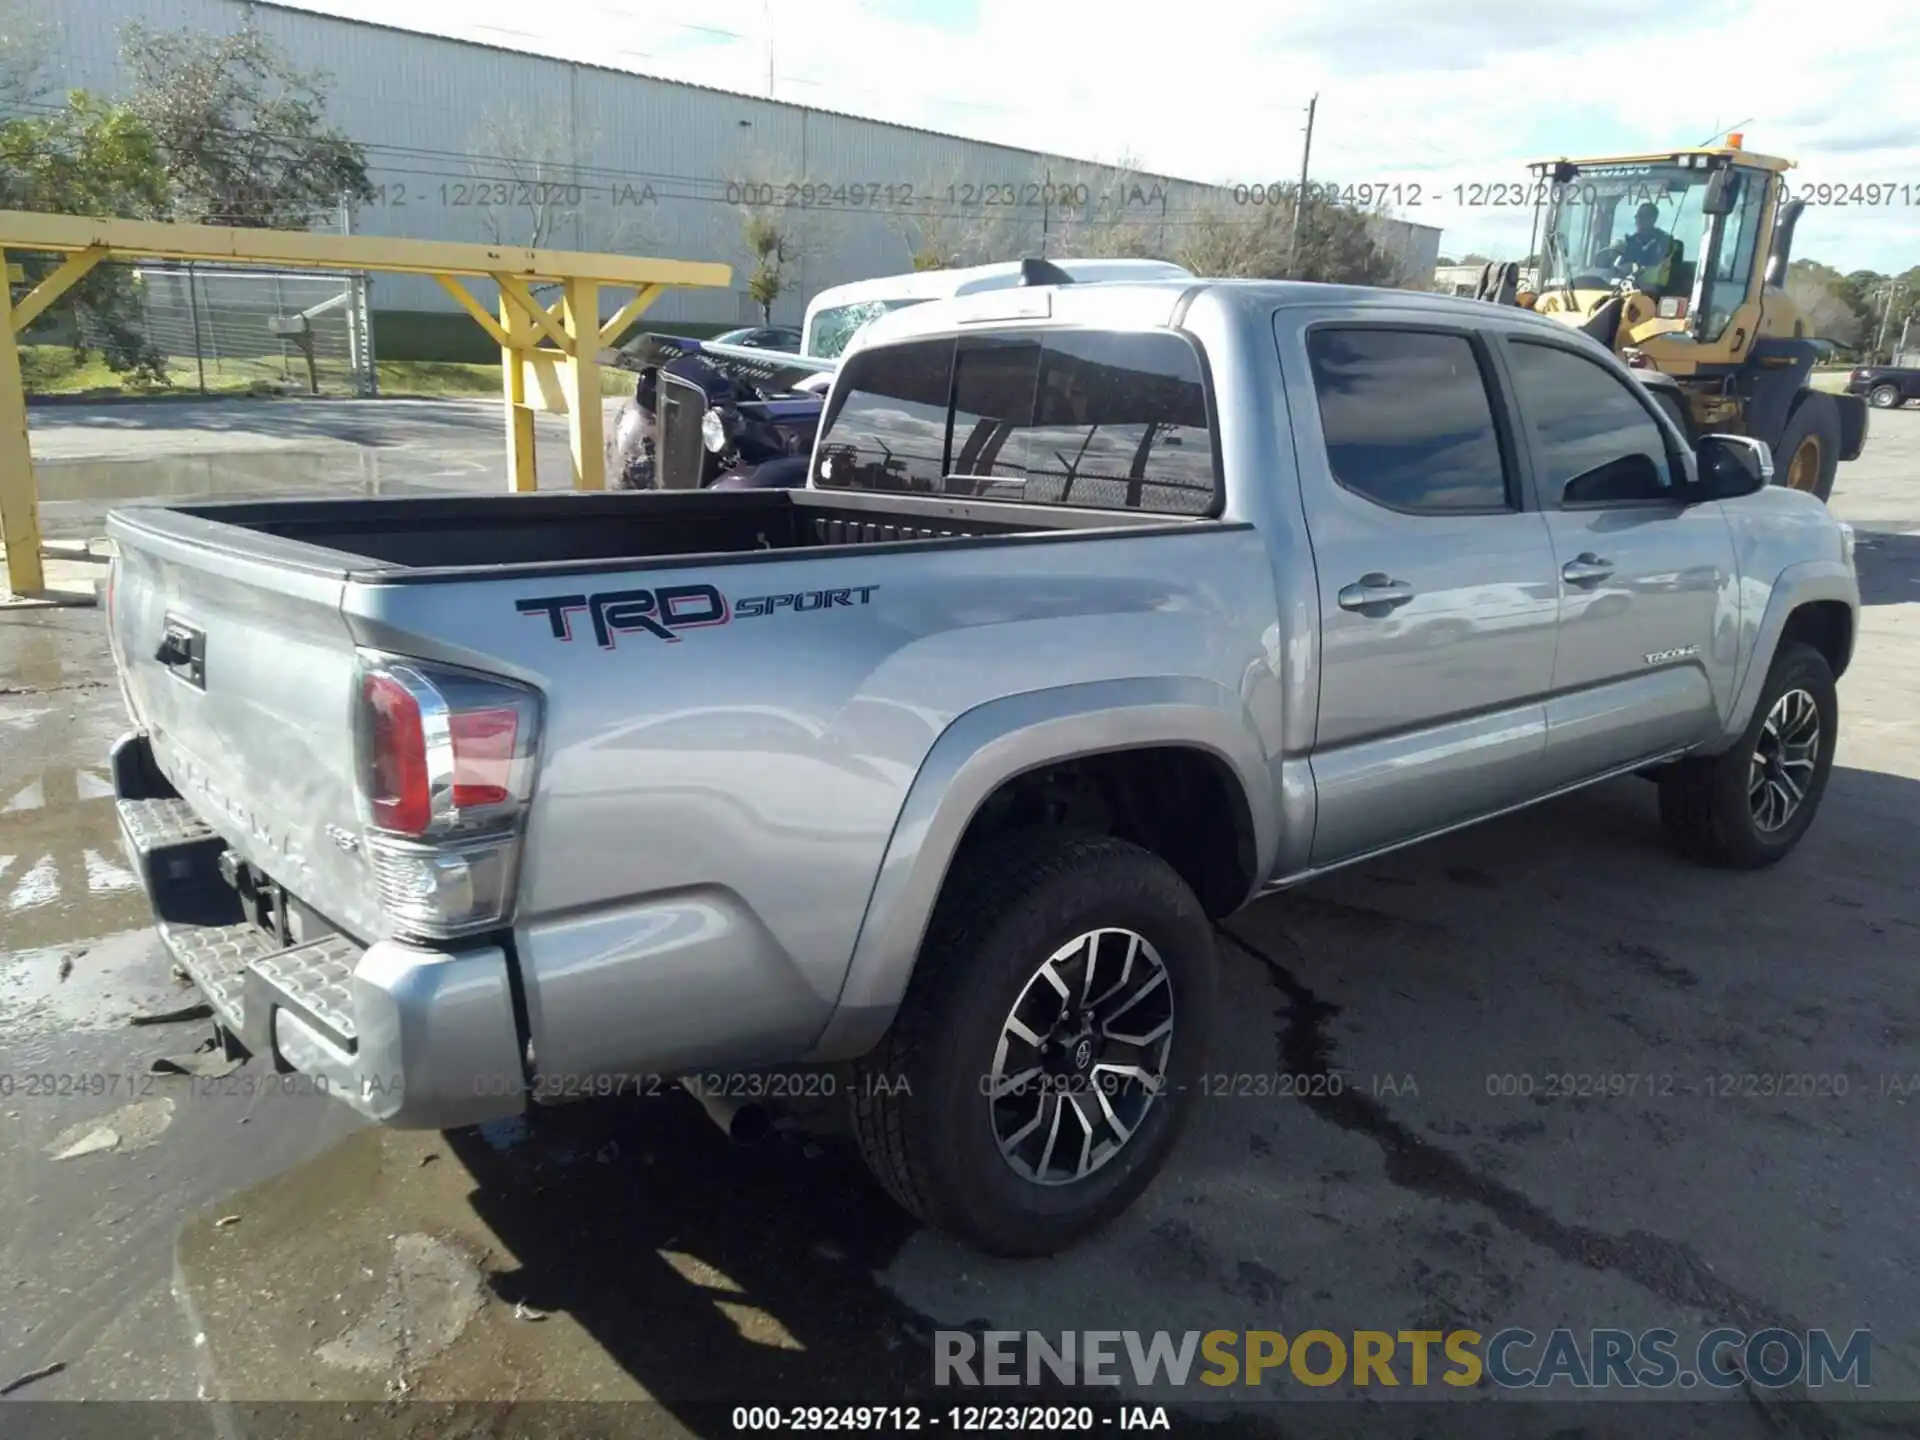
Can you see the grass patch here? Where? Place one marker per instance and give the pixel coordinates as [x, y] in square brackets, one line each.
[439, 379]
[56, 370]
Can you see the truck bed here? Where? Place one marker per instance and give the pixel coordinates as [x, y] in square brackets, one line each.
[402, 538]
[238, 627]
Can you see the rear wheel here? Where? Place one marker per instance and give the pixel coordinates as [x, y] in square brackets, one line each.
[1048, 1047]
[1808, 453]
[1884, 397]
[1746, 808]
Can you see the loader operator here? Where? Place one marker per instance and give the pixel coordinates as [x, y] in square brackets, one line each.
[1647, 252]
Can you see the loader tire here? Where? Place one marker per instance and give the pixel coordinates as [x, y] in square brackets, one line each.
[1808, 453]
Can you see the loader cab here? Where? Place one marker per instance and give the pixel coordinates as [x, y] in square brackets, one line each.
[1682, 238]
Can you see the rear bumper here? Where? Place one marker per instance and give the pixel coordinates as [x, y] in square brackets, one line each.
[410, 1037]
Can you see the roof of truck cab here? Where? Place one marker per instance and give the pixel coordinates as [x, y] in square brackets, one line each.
[935, 284]
[1153, 303]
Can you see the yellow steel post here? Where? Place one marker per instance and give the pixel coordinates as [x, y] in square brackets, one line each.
[522, 468]
[19, 508]
[571, 328]
[586, 411]
[611, 332]
[70, 272]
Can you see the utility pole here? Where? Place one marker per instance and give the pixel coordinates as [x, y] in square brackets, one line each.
[1886, 314]
[1300, 195]
[766, 10]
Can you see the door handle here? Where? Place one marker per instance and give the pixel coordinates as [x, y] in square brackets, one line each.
[1375, 590]
[1586, 569]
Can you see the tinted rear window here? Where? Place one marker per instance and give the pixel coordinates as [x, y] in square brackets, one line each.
[1407, 419]
[888, 427]
[1095, 419]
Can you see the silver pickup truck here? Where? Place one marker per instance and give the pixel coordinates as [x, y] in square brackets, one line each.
[1106, 608]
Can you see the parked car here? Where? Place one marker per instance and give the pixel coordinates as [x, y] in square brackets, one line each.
[838, 314]
[1887, 387]
[921, 786]
[756, 416]
[763, 337]
[703, 413]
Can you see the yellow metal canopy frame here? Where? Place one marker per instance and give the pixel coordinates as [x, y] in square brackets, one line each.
[549, 356]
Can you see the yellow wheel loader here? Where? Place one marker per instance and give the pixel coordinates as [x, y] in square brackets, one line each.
[1678, 263]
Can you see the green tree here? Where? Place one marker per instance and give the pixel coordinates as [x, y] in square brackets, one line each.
[1832, 306]
[242, 133]
[88, 157]
[1336, 245]
[769, 254]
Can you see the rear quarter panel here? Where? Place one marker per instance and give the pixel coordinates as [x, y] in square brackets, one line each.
[711, 813]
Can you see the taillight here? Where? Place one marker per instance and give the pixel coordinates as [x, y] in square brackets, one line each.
[446, 763]
[398, 792]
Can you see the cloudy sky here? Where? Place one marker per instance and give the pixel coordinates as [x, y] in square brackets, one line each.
[1443, 100]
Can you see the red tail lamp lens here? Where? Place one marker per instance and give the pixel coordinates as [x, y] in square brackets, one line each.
[397, 785]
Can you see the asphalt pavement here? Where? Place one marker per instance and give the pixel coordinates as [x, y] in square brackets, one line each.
[1448, 1163]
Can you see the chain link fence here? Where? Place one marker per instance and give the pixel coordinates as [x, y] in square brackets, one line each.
[228, 330]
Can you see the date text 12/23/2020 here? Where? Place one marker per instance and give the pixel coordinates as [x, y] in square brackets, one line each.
[1065, 197]
[1524, 195]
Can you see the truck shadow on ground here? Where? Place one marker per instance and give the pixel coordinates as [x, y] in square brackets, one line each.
[1888, 562]
[716, 1273]
[709, 1270]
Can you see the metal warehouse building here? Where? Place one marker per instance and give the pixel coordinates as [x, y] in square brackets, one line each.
[472, 142]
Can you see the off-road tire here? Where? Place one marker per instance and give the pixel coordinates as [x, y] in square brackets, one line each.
[919, 1109]
[1704, 804]
[1816, 415]
[1885, 397]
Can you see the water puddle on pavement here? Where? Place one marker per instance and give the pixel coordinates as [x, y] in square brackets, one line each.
[63, 874]
[336, 470]
[99, 985]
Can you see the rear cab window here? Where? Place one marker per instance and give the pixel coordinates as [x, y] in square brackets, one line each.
[1111, 420]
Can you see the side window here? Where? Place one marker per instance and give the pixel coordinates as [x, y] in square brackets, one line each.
[1120, 422]
[1408, 421]
[1593, 441]
[888, 425]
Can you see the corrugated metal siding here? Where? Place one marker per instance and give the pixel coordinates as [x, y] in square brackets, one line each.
[652, 158]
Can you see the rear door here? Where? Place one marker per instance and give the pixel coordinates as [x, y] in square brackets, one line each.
[1649, 610]
[1438, 596]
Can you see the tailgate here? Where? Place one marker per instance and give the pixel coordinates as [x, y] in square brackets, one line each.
[237, 662]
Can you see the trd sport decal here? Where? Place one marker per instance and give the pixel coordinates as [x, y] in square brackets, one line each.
[664, 612]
